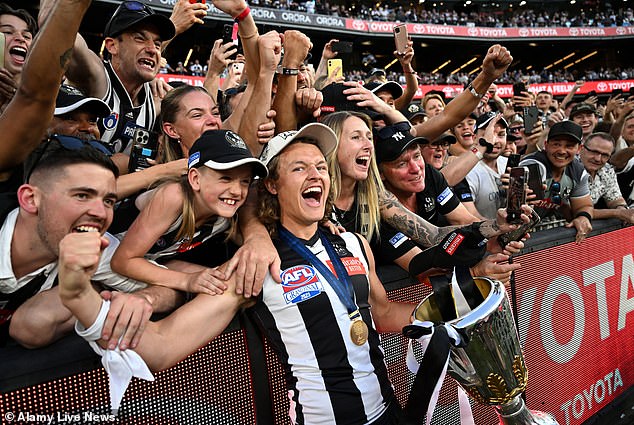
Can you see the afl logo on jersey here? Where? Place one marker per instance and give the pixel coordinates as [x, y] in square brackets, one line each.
[300, 283]
[110, 122]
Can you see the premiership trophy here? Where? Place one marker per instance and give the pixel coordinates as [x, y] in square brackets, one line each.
[490, 364]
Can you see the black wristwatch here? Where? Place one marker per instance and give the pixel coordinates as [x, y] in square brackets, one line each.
[483, 142]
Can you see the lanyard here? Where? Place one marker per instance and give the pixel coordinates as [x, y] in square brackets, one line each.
[341, 283]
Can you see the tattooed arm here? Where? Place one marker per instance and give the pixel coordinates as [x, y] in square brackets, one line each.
[423, 232]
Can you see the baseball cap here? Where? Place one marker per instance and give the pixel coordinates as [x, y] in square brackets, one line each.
[70, 99]
[223, 150]
[335, 101]
[581, 108]
[391, 141]
[568, 128]
[446, 137]
[393, 87]
[325, 138]
[131, 13]
[413, 110]
[484, 119]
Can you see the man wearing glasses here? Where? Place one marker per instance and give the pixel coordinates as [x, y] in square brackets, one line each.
[604, 188]
[567, 193]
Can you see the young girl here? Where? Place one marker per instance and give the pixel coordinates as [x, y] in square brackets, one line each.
[181, 214]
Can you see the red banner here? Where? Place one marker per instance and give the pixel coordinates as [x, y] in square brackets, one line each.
[576, 321]
[451, 90]
[486, 32]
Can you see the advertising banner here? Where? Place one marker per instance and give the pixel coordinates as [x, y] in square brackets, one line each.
[575, 322]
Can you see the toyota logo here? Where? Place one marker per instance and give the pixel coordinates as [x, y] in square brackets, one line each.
[602, 87]
[473, 31]
[574, 32]
[523, 32]
[358, 25]
[419, 29]
[620, 30]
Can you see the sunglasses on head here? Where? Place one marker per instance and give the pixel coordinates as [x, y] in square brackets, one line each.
[69, 143]
[135, 6]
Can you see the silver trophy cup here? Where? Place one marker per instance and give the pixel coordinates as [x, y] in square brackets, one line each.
[490, 367]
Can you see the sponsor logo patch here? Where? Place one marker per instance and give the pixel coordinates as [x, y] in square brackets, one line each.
[300, 283]
[445, 196]
[397, 239]
[452, 244]
[352, 264]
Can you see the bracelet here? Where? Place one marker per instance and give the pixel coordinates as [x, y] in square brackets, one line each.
[243, 14]
[477, 153]
[473, 91]
[584, 214]
[289, 71]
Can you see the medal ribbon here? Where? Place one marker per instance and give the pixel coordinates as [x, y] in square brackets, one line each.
[341, 283]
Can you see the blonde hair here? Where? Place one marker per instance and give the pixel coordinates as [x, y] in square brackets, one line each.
[187, 229]
[430, 96]
[366, 191]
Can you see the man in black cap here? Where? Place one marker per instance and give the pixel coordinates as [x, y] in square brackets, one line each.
[76, 114]
[585, 115]
[423, 190]
[567, 193]
[133, 40]
[414, 113]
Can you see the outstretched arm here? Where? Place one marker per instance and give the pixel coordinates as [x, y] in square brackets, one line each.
[24, 121]
[496, 61]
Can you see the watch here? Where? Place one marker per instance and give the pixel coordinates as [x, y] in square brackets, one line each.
[289, 71]
[473, 91]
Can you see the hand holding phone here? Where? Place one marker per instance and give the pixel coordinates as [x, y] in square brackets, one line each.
[342, 46]
[516, 194]
[144, 147]
[531, 116]
[401, 38]
[535, 182]
[518, 234]
[230, 35]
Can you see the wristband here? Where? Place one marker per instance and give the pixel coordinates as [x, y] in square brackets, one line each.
[289, 71]
[584, 214]
[243, 14]
[483, 142]
[473, 91]
[477, 153]
[410, 72]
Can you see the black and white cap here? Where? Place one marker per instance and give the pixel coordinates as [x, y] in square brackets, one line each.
[70, 99]
[324, 137]
[223, 150]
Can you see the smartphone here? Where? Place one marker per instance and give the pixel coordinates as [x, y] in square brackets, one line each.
[517, 234]
[144, 147]
[513, 161]
[342, 46]
[616, 92]
[400, 38]
[230, 35]
[531, 116]
[518, 88]
[516, 194]
[535, 182]
[335, 69]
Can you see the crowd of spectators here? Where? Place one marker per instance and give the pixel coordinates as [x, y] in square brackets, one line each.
[603, 15]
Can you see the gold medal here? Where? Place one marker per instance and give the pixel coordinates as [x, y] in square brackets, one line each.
[358, 331]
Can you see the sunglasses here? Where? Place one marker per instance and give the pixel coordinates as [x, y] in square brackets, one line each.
[604, 156]
[437, 145]
[69, 143]
[555, 192]
[135, 6]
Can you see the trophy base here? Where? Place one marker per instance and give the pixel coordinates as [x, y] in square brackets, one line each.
[515, 412]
